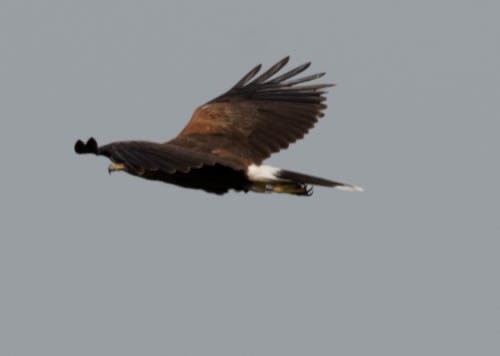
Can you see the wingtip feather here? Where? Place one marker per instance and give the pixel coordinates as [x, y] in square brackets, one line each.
[89, 147]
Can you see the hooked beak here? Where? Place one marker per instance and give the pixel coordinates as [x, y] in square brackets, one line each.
[115, 167]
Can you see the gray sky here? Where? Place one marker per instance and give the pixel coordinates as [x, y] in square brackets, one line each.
[99, 265]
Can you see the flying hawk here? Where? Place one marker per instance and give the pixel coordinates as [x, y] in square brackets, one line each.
[223, 145]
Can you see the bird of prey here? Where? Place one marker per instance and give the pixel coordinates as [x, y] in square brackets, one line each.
[224, 144]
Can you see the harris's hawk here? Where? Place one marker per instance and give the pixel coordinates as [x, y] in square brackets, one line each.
[223, 145]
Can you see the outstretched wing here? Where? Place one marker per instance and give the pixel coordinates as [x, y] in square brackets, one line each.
[258, 117]
[141, 157]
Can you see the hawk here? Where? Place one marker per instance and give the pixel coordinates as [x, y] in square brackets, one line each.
[224, 144]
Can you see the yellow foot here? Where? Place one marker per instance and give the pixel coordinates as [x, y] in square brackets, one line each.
[285, 187]
[292, 188]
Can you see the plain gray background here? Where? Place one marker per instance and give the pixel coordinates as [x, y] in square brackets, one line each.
[99, 265]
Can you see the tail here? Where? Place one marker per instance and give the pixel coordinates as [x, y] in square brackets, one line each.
[305, 179]
[89, 147]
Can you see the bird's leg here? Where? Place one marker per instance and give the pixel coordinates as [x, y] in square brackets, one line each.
[292, 188]
[260, 187]
[116, 167]
[282, 187]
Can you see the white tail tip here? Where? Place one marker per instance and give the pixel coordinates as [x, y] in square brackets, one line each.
[349, 188]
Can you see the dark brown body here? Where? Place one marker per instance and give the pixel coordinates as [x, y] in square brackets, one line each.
[216, 179]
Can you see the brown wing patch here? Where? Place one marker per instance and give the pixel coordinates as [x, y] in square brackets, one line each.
[256, 118]
[221, 118]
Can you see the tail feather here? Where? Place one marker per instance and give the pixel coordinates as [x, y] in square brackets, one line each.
[307, 179]
[89, 147]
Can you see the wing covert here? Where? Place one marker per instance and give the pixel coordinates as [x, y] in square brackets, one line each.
[258, 116]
